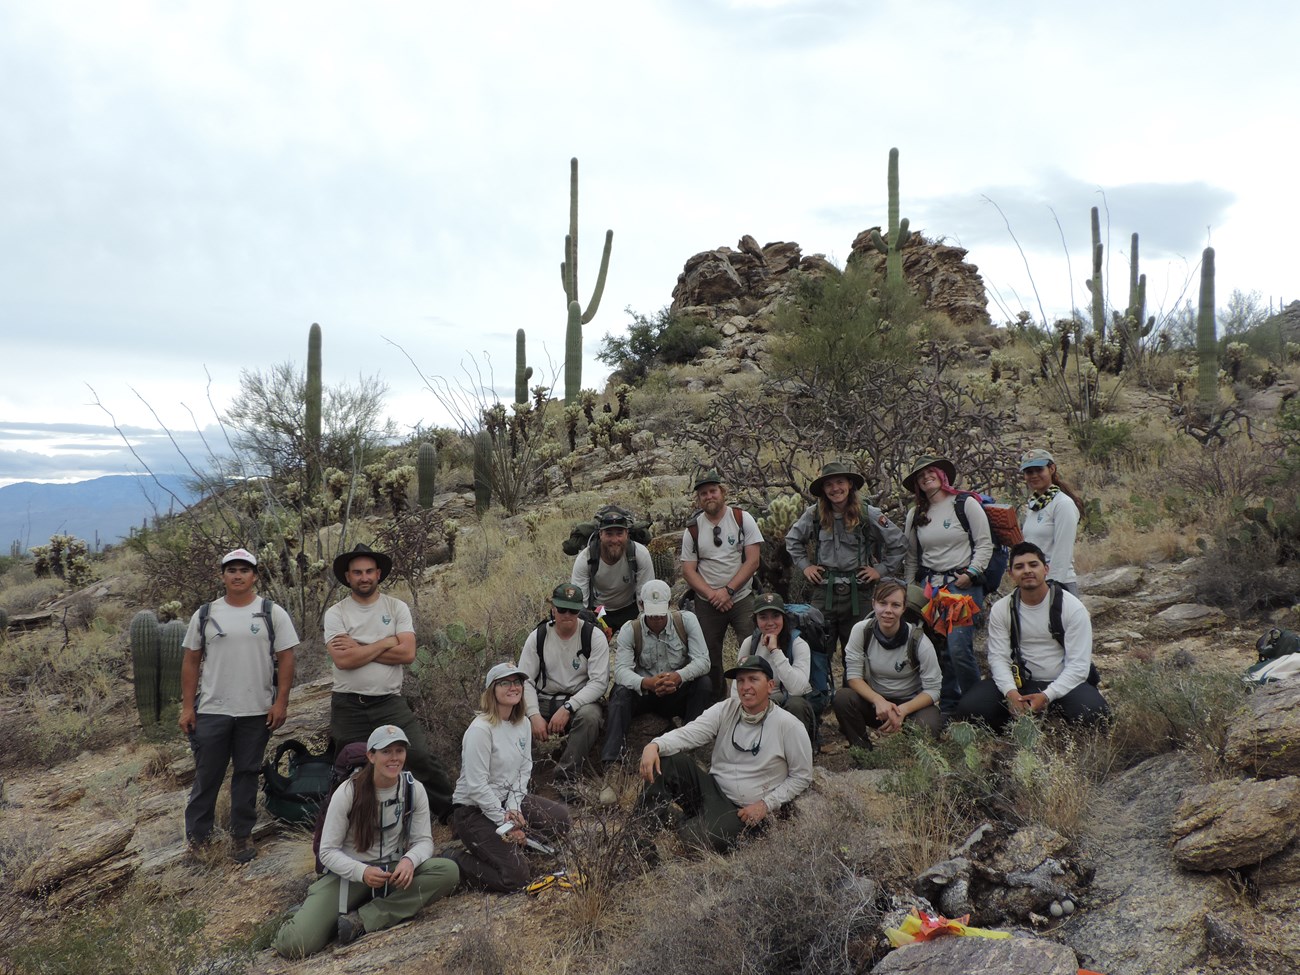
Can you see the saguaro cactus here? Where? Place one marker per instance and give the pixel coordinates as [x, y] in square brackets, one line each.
[312, 413]
[156, 655]
[426, 467]
[1094, 283]
[1207, 343]
[898, 232]
[569, 278]
[523, 371]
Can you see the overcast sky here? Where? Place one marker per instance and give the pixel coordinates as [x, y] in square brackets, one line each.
[185, 188]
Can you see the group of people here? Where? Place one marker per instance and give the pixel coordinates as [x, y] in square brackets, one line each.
[569, 683]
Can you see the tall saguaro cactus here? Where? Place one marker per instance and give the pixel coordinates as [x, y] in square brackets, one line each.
[569, 277]
[312, 414]
[523, 371]
[1094, 283]
[1207, 343]
[426, 472]
[898, 232]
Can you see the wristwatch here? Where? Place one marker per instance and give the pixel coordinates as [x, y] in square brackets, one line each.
[730, 591]
[568, 707]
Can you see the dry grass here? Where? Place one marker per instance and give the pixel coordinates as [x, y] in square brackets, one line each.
[25, 597]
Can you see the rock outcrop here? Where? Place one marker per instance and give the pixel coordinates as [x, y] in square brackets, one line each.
[1236, 823]
[937, 272]
[1266, 739]
[979, 956]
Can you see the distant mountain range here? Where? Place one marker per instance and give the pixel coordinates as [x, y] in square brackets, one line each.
[110, 506]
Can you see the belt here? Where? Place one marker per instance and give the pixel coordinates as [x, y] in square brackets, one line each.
[364, 699]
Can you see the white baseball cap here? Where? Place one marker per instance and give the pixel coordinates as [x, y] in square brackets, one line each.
[239, 555]
[656, 597]
[384, 736]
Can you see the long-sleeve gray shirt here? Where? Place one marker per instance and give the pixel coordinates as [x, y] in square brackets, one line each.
[583, 680]
[876, 542]
[496, 762]
[661, 653]
[1064, 667]
[615, 584]
[889, 672]
[339, 855]
[781, 769]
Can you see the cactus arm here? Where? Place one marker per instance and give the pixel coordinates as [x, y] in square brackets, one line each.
[878, 243]
[1094, 284]
[594, 303]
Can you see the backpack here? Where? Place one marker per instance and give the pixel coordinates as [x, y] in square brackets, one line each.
[1277, 643]
[584, 651]
[810, 624]
[296, 797]
[586, 534]
[1055, 626]
[1274, 669]
[350, 760]
[638, 640]
[205, 612]
[1004, 528]
[693, 526]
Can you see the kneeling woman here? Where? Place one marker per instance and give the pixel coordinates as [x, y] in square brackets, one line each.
[378, 839]
[496, 762]
[892, 669]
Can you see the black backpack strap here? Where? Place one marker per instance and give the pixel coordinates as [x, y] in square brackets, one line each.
[587, 630]
[593, 563]
[1055, 619]
[267, 607]
[204, 612]
[638, 643]
[631, 560]
[408, 807]
[539, 639]
[1022, 670]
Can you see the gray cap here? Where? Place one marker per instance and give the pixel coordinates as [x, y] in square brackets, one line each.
[385, 735]
[1038, 457]
[502, 671]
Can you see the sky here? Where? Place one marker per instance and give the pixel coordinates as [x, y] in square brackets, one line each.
[186, 187]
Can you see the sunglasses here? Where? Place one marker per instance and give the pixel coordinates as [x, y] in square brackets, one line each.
[751, 749]
[565, 612]
[717, 535]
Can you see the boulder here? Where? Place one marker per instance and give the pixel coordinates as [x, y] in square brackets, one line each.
[979, 956]
[98, 850]
[1185, 618]
[1265, 740]
[1112, 582]
[1236, 824]
[707, 279]
[936, 272]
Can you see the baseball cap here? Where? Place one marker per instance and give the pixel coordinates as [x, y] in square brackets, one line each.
[656, 597]
[384, 736]
[567, 596]
[239, 555]
[1038, 457]
[502, 671]
[750, 663]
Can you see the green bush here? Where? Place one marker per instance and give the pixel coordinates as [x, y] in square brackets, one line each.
[661, 339]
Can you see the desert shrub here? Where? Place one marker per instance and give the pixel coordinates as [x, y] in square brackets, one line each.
[1251, 558]
[132, 935]
[448, 673]
[1225, 471]
[1103, 441]
[793, 901]
[1164, 706]
[651, 340]
[24, 597]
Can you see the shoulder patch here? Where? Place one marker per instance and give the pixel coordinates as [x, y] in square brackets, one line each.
[882, 521]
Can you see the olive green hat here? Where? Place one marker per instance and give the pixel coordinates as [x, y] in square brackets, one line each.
[768, 602]
[930, 460]
[567, 596]
[836, 468]
[707, 477]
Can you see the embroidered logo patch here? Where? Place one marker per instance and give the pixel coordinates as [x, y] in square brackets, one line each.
[386, 619]
[254, 628]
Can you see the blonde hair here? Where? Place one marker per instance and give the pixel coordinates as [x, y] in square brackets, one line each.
[487, 705]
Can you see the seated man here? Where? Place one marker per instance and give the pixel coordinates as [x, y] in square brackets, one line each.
[567, 664]
[762, 759]
[1040, 652]
[661, 664]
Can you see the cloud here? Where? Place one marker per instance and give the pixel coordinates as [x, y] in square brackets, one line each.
[77, 451]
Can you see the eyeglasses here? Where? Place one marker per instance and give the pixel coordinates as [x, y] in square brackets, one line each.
[510, 682]
[752, 749]
[565, 612]
[717, 535]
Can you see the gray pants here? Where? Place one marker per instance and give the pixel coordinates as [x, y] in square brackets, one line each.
[219, 741]
[579, 736]
[714, 626]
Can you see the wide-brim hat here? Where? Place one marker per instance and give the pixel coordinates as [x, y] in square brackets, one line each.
[342, 562]
[836, 468]
[930, 460]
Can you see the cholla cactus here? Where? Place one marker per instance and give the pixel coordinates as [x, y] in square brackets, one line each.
[645, 493]
[396, 487]
[1234, 356]
[572, 414]
[170, 610]
[781, 515]
[587, 399]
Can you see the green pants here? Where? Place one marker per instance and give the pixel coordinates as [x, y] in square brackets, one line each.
[712, 820]
[308, 931]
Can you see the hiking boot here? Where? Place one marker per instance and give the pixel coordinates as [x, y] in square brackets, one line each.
[350, 928]
[608, 795]
[243, 850]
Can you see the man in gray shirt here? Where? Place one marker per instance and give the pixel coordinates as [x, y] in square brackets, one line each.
[661, 665]
[610, 576]
[235, 681]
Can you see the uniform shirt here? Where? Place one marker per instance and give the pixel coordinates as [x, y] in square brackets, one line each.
[236, 675]
[496, 761]
[780, 771]
[719, 563]
[661, 653]
[615, 587]
[889, 672]
[1063, 669]
[338, 852]
[369, 623]
[791, 675]
[844, 550]
[943, 545]
[1053, 529]
[583, 680]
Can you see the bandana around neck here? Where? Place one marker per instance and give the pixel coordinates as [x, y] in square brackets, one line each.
[1041, 499]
